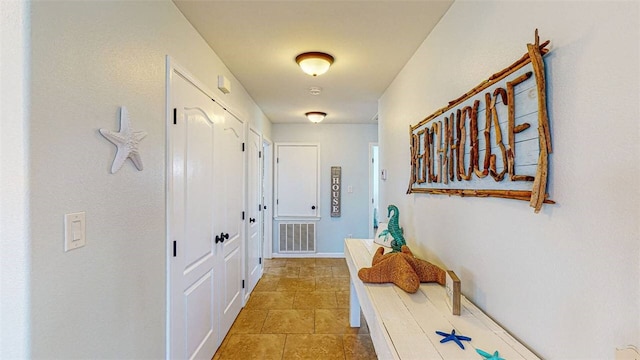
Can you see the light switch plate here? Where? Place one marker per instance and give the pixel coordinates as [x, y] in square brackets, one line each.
[74, 231]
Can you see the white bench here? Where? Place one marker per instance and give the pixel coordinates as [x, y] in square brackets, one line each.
[403, 325]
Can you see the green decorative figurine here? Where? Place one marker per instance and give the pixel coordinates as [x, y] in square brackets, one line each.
[394, 229]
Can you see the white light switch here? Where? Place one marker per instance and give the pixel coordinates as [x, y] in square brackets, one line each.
[74, 231]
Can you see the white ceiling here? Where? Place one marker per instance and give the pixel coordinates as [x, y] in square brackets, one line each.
[370, 40]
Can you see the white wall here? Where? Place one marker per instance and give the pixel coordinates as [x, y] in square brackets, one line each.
[345, 145]
[14, 241]
[105, 300]
[564, 281]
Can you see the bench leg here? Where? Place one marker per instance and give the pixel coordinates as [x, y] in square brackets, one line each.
[354, 306]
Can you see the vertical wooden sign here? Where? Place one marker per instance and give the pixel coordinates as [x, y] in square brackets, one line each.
[453, 292]
[336, 179]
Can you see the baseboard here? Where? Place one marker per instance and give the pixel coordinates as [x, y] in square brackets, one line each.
[308, 255]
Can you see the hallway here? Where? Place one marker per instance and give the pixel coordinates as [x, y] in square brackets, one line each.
[298, 310]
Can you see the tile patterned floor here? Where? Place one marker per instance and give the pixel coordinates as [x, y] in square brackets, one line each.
[298, 310]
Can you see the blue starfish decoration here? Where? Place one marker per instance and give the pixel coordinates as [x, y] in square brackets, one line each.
[453, 337]
[486, 356]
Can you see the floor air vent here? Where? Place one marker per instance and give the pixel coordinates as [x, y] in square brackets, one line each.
[297, 237]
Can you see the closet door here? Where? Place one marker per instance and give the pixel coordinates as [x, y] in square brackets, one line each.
[193, 308]
[254, 210]
[206, 228]
[297, 168]
[228, 184]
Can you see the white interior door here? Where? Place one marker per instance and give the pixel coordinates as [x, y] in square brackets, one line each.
[267, 198]
[254, 210]
[193, 324]
[297, 180]
[228, 223]
[206, 196]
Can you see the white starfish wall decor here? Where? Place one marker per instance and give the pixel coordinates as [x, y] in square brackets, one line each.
[127, 142]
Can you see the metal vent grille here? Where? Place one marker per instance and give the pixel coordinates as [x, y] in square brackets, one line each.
[297, 237]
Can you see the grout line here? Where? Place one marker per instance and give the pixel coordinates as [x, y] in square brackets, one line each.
[314, 320]
[264, 322]
[344, 348]
[284, 346]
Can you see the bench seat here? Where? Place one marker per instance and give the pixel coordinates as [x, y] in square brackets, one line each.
[403, 325]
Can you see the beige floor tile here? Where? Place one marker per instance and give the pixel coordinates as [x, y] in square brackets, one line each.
[283, 271]
[358, 347]
[249, 322]
[270, 300]
[318, 271]
[343, 299]
[334, 321]
[332, 284]
[275, 262]
[296, 284]
[300, 309]
[267, 284]
[340, 271]
[313, 346]
[267, 276]
[330, 262]
[253, 346]
[289, 322]
[308, 262]
[315, 300]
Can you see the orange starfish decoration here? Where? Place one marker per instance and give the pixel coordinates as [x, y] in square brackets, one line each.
[402, 269]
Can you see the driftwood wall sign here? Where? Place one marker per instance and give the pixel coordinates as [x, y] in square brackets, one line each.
[492, 141]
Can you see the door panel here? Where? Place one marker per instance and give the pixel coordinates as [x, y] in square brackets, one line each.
[199, 313]
[229, 200]
[233, 289]
[199, 192]
[193, 330]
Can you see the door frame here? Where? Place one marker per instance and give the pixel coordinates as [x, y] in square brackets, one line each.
[372, 188]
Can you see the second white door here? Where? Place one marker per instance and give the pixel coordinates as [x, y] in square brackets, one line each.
[254, 236]
[228, 223]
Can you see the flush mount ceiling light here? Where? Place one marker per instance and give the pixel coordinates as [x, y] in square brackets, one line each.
[315, 116]
[314, 63]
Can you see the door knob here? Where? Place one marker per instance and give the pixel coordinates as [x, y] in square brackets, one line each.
[252, 220]
[313, 207]
[221, 237]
